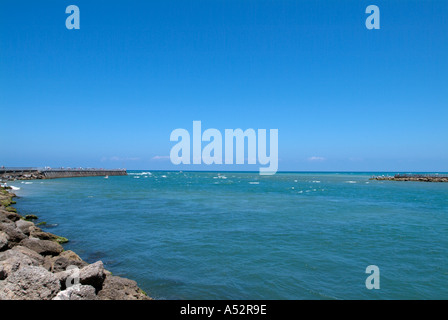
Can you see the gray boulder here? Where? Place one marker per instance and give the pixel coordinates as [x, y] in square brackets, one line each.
[7, 216]
[43, 247]
[14, 234]
[33, 255]
[30, 283]
[117, 288]
[11, 261]
[24, 226]
[61, 262]
[4, 238]
[77, 292]
[93, 275]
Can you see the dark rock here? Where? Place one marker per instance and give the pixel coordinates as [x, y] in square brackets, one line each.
[65, 259]
[116, 288]
[68, 277]
[11, 209]
[36, 232]
[31, 217]
[6, 216]
[43, 247]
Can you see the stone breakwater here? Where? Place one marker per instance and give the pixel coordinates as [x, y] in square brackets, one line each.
[34, 265]
[422, 178]
[11, 174]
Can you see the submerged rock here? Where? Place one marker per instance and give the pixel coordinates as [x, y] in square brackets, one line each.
[36, 232]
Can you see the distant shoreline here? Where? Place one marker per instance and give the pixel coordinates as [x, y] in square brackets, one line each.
[414, 177]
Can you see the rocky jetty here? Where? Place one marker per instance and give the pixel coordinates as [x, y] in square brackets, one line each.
[34, 265]
[413, 177]
[12, 176]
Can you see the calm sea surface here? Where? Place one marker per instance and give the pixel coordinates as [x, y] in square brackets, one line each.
[209, 235]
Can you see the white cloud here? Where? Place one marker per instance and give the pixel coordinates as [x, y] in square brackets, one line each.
[160, 158]
[115, 158]
[316, 159]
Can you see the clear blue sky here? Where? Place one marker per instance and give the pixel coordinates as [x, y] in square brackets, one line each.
[109, 95]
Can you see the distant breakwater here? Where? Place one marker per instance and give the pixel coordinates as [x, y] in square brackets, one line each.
[11, 174]
[34, 265]
[414, 177]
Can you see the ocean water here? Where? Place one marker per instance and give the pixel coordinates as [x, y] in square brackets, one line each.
[209, 235]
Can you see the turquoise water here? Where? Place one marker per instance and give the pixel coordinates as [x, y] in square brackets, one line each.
[211, 235]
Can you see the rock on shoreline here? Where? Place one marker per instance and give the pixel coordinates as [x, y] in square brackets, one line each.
[34, 266]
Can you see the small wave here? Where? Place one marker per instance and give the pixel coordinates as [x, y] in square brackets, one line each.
[15, 188]
[28, 182]
[163, 176]
[351, 181]
[315, 181]
[137, 177]
[140, 174]
[254, 182]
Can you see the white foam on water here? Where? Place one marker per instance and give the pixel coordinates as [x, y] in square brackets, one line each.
[15, 188]
[315, 181]
[350, 181]
[140, 174]
[28, 182]
[254, 182]
[295, 180]
[163, 176]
